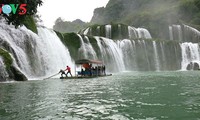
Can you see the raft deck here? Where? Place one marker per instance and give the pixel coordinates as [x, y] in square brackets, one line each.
[85, 77]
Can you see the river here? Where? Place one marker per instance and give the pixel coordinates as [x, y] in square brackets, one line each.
[123, 96]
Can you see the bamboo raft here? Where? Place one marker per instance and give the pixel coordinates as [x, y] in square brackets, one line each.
[85, 77]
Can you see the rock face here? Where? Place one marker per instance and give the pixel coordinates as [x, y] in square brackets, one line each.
[193, 66]
[17, 75]
[7, 70]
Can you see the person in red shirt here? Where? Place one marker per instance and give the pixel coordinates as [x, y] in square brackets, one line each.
[68, 69]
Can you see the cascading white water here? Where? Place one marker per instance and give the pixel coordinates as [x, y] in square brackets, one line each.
[177, 31]
[195, 31]
[86, 49]
[170, 33]
[86, 31]
[138, 33]
[21, 41]
[129, 53]
[35, 55]
[3, 72]
[82, 49]
[191, 34]
[132, 32]
[156, 58]
[190, 53]
[163, 54]
[108, 31]
[111, 54]
[146, 53]
[143, 33]
[55, 55]
[90, 51]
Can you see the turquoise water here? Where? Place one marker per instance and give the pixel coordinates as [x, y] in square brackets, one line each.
[123, 96]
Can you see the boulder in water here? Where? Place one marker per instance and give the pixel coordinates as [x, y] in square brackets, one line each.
[17, 74]
[193, 66]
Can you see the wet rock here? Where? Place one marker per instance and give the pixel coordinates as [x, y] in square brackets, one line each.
[193, 66]
[17, 74]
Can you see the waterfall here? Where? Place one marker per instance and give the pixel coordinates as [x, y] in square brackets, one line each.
[3, 73]
[108, 31]
[191, 34]
[82, 49]
[143, 33]
[175, 33]
[163, 54]
[138, 33]
[190, 53]
[90, 50]
[184, 33]
[170, 33]
[129, 56]
[146, 54]
[55, 55]
[86, 31]
[156, 58]
[117, 31]
[111, 54]
[86, 50]
[132, 32]
[35, 55]
[195, 31]
[20, 43]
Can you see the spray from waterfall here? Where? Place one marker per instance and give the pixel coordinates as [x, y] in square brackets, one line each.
[35, 55]
[111, 54]
[55, 55]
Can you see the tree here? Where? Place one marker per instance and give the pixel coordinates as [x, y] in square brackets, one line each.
[17, 19]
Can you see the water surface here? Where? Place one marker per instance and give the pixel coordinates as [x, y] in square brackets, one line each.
[123, 96]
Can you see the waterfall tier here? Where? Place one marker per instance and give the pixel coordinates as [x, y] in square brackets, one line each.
[126, 54]
[34, 55]
[184, 33]
[117, 31]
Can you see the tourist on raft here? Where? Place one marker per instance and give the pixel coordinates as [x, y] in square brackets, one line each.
[62, 72]
[68, 69]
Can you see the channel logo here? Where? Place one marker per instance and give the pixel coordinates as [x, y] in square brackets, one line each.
[13, 9]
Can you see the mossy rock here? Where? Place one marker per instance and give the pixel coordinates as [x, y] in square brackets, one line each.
[7, 59]
[16, 74]
[30, 24]
[13, 72]
[72, 42]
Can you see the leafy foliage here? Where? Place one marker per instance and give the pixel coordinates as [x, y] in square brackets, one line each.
[17, 19]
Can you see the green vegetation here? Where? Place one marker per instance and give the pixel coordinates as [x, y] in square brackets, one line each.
[71, 40]
[68, 27]
[6, 58]
[30, 24]
[154, 15]
[17, 19]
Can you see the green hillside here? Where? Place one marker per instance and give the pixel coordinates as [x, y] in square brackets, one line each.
[155, 15]
[67, 26]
